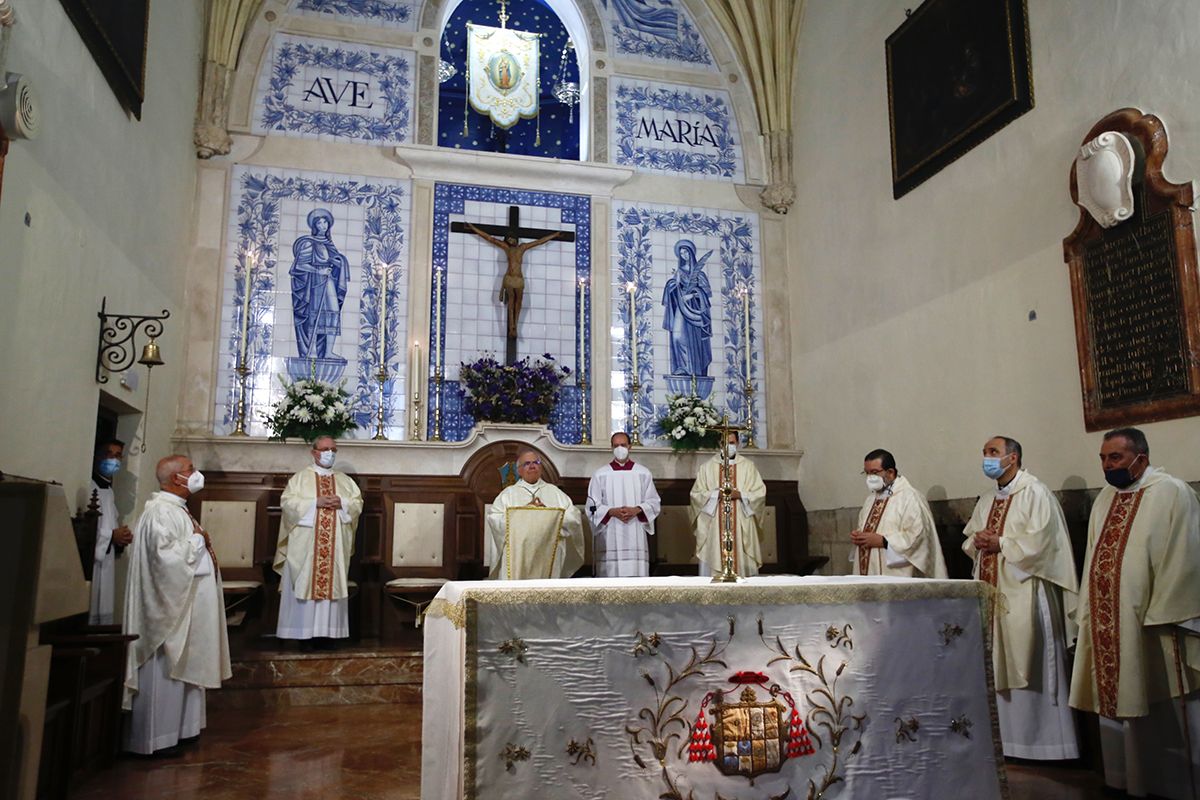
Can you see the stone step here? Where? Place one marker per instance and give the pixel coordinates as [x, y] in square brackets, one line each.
[270, 680]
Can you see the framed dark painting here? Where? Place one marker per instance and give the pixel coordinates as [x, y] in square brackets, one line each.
[958, 71]
[115, 33]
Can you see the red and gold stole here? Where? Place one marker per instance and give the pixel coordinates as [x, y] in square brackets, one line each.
[324, 536]
[872, 523]
[989, 563]
[1104, 596]
[721, 517]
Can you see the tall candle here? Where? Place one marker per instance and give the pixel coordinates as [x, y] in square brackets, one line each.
[383, 282]
[437, 319]
[247, 284]
[416, 376]
[633, 343]
[746, 320]
[582, 318]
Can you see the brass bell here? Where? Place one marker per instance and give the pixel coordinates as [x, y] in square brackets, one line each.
[150, 355]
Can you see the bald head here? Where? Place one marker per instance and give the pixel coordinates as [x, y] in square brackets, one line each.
[169, 467]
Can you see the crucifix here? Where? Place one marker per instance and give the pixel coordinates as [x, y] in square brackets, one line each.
[728, 520]
[512, 287]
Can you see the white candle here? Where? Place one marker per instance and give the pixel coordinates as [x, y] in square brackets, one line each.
[437, 319]
[632, 287]
[247, 284]
[416, 376]
[746, 334]
[383, 281]
[582, 320]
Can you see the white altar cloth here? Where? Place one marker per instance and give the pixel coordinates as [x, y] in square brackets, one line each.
[593, 688]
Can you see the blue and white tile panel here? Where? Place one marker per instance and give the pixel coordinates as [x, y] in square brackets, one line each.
[671, 129]
[644, 238]
[268, 212]
[335, 91]
[658, 32]
[474, 320]
[395, 14]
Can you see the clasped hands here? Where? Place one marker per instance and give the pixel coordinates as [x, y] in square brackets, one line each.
[986, 542]
[625, 513]
[866, 539]
[332, 501]
[122, 536]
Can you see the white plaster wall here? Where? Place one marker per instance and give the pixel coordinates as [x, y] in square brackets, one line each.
[110, 202]
[909, 318]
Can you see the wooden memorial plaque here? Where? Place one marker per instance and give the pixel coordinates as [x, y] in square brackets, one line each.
[1136, 293]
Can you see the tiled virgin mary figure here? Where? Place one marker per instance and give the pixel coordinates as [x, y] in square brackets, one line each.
[687, 316]
[320, 276]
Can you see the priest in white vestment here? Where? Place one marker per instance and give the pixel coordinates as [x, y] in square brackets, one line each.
[533, 528]
[320, 508]
[749, 497]
[1137, 662]
[895, 535]
[111, 535]
[622, 505]
[173, 602]
[1018, 539]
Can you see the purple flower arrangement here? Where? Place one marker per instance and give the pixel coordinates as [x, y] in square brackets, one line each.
[522, 392]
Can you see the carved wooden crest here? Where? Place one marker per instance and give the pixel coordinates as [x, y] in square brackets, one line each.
[1135, 291]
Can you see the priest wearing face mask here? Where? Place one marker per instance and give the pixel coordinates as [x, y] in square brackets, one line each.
[1139, 618]
[533, 528]
[622, 504]
[749, 502]
[111, 536]
[895, 534]
[320, 508]
[173, 603]
[1018, 539]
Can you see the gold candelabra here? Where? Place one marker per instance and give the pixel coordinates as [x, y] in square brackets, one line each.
[415, 432]
[437, 408]
[748, 390]
[585, 436]
[382, 377]
[635, 437]
[239, 428]
[727, 574]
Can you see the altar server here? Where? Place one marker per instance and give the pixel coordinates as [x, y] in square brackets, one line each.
[895, 534]
[622, 504]
[320, 508]
[749, 497]
[527, 540]
[173, 603]
[111, 536]
[1137, 663]
[1018, 539]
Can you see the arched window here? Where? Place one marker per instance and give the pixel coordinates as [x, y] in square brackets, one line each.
[562, 130]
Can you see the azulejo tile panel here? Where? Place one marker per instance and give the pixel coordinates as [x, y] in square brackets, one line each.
[656, 31]
[690, 281]
[335, 91]
[672, 129]
[319, 243]
[397, 14]
[466, 316]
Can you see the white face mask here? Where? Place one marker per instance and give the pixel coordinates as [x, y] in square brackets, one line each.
[620, 453]
[195, 481]
[732, 450]
[875, 482]
[326, 458]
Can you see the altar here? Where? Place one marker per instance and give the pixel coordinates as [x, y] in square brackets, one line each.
[676, 687]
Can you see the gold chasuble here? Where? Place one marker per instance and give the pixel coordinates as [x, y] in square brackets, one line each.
[316, 543]
[1139, 584]
[530, 541]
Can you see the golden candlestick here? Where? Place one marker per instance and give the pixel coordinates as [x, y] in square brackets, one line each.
[239, 428]
[727, 574]
[748, 391]
[382, 377]
[437, 409]
[636, 437]
[585, 435]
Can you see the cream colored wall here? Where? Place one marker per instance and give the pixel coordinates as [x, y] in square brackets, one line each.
[110, 206]
[909, 322]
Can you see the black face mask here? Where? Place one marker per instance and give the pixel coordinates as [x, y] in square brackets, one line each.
[1121, 477]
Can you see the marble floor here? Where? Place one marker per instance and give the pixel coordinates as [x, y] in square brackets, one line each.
[363, 752]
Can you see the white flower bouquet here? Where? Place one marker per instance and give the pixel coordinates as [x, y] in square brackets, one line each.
[309, 409]
[689, 423]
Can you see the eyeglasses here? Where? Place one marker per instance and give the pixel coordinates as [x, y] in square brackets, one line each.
[873, 472]
[525, 464]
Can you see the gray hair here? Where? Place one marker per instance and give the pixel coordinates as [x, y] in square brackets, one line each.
[168, 467]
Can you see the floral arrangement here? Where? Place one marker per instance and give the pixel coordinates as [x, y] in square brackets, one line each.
[521, 392]
[309, 409]
[689, 423]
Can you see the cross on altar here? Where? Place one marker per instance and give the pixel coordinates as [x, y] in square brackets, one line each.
[512, 288]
